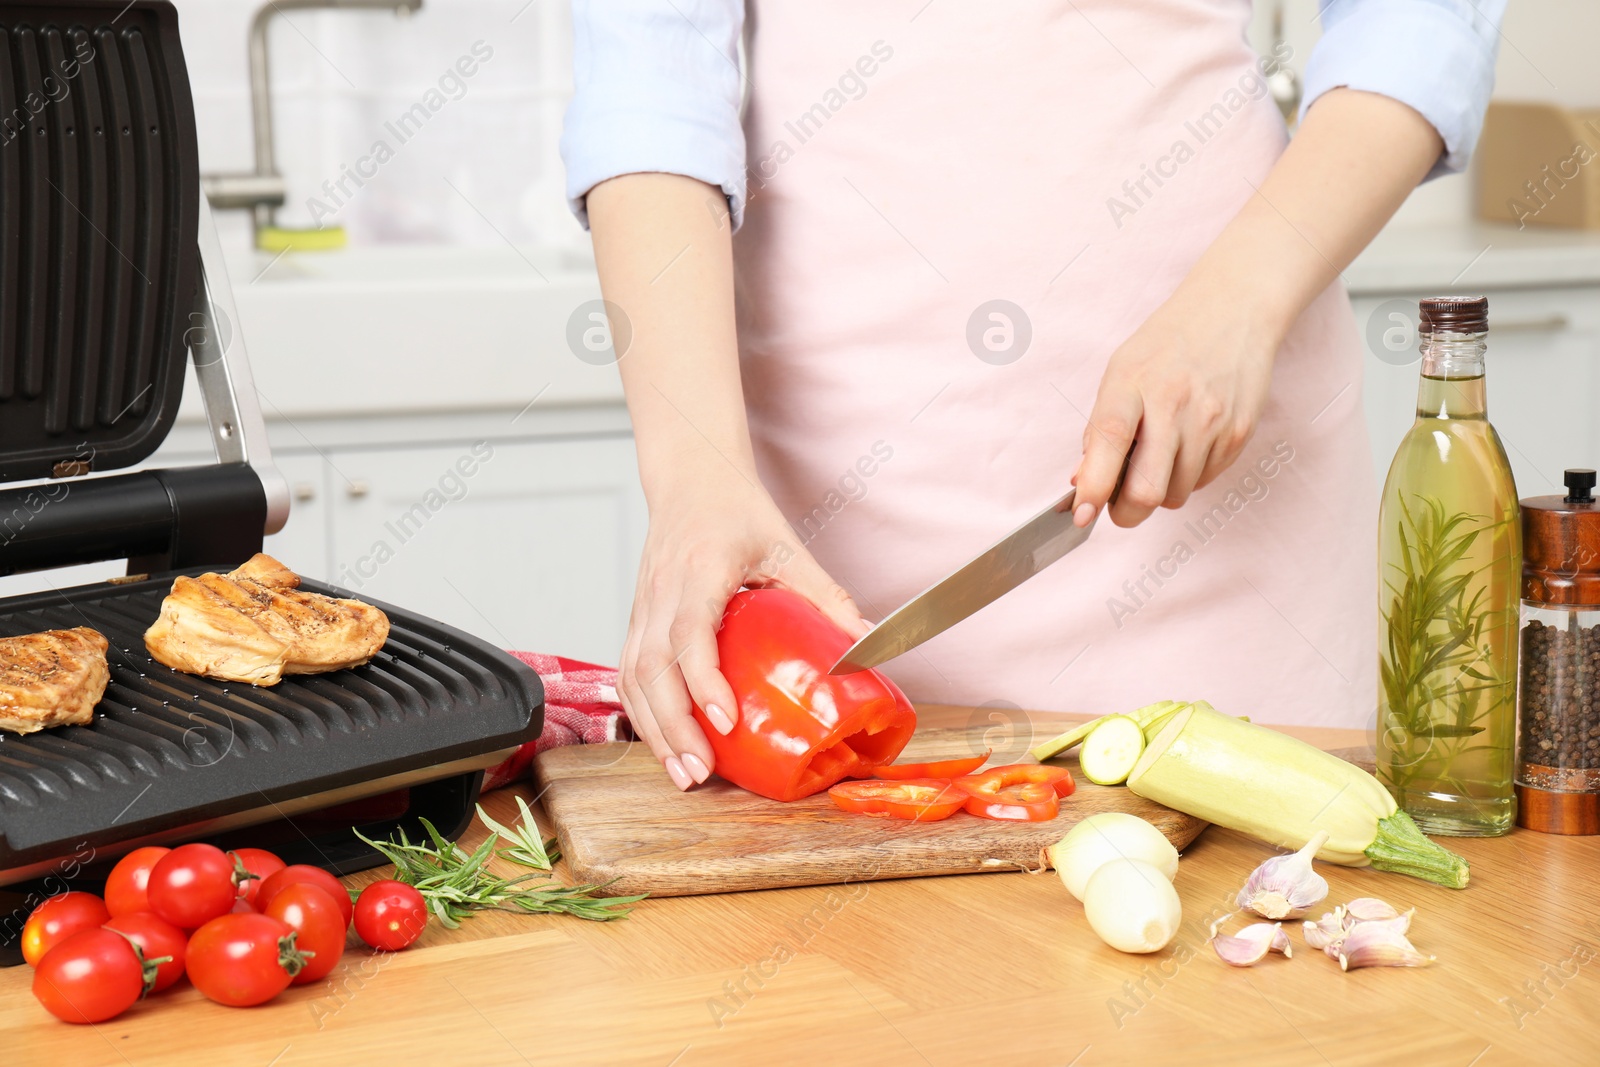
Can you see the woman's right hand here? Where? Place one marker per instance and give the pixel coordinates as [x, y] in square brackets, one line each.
[704, 544]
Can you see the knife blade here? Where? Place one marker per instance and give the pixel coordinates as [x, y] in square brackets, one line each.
[1015, 558]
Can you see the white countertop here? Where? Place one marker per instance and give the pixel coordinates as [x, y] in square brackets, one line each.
[392, 329]
[1476, 256]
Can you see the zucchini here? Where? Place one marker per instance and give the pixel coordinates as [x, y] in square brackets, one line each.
[1283, 791]
[1111, 750]
[1060, 744]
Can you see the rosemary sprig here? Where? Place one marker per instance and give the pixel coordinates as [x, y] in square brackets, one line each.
[456, 883]
[529, 847]
[1437, 675]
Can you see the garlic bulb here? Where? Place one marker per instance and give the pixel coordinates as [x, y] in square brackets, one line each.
[1285, 886]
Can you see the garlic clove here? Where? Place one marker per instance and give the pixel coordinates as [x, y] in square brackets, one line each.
[1400, 924]
[1370, 909]
[1285, 886]
[1329, 930]
[1280, 942]
[1378, 944]
[1219, 923]
[1327, 933]
[1251, 945]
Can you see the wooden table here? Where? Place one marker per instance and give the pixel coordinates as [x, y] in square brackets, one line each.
[936, 971]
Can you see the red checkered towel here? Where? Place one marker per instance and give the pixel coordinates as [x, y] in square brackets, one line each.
[580, 708]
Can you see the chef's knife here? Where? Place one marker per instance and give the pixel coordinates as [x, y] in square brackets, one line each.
[1018, 556]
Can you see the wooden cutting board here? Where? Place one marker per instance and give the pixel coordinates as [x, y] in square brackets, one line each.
[618, 817]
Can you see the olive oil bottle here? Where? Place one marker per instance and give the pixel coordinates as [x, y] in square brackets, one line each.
[1450, 566]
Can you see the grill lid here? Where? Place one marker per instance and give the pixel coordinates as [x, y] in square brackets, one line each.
[168, 749]
[99, 213]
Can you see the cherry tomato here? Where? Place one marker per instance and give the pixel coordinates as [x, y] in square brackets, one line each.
[916, 799]
[92, 976]
[156, 938]
[315, 917]
[259, 862]
[241, 960]
[192, 885]
[304, 872]
[126, 886]
[390, 915]
[58, 919]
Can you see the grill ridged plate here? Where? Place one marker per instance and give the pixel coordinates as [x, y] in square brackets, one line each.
[99, 212]
[169, 749]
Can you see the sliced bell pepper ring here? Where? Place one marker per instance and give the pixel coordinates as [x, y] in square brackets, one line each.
[799, 729]
[1017, 803]
[948, 768]
[916, 799]
[995, 778]
[1019, 792]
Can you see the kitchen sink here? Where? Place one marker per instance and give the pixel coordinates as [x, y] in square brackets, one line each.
[417, 327]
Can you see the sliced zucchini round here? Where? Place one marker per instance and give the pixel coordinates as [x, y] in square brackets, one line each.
[1111, 750]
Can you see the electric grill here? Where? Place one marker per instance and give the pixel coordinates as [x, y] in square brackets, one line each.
[111, 281]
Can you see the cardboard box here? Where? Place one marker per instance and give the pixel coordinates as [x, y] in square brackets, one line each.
[1539, 165]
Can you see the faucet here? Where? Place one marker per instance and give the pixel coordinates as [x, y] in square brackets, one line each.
[262, 191]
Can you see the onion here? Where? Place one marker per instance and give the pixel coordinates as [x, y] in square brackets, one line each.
[1108, 836]
[1132, 906]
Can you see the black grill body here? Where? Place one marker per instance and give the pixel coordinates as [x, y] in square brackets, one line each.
[172, 757]
[110, 280]
[169, 750]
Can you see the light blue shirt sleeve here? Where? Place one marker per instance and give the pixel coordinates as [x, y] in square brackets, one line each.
[1435, 56]
[656, 87]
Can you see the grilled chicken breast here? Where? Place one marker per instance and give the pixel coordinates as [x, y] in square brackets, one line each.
[50, 679]
[255, 625]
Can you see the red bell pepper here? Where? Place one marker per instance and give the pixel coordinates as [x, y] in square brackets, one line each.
[916, 799]
[800, 729]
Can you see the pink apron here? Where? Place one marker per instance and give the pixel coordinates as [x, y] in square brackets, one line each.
[1072, 160]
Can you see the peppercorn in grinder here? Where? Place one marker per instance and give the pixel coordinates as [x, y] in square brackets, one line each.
[1558, 699]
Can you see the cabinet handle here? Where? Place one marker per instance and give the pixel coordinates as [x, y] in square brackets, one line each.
[305, 492]
[358, 489]
[1549, 322]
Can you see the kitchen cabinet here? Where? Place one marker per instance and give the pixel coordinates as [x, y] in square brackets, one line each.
[530, 544]
[523, 528]
[303, 542]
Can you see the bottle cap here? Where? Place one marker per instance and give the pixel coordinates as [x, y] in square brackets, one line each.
[1561, 544]
[1454, 314]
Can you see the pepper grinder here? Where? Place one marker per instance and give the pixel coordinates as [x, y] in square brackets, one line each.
[1558, 698]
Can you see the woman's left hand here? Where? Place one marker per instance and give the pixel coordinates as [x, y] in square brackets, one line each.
[1188, 386]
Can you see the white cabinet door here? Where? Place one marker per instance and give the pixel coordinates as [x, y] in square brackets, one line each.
[532, 545]
[1544, 379]
[303, 543]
